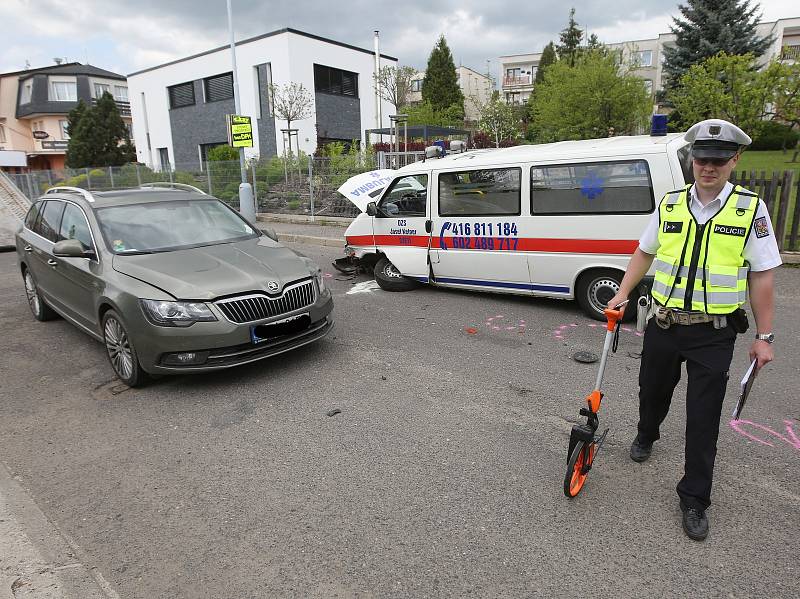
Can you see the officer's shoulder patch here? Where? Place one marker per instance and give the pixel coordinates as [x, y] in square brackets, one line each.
[761, 227]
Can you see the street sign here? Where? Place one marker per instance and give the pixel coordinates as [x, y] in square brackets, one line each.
[40, 135]
[240, 131]
[55, 145]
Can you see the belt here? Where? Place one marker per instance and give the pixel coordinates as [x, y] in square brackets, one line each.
[666, 317]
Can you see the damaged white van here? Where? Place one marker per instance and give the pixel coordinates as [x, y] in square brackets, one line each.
[558, 220]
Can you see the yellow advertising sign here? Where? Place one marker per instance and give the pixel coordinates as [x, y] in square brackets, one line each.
[240, 131]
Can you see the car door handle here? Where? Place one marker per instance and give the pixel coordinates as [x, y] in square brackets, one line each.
[28, 248]
[52, 262]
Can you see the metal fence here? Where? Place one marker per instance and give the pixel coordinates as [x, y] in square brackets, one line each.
[295, 185]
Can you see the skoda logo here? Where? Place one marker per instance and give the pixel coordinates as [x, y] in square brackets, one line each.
[273, 286]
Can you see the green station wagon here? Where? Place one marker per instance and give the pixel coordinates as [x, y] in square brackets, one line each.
[170, 279]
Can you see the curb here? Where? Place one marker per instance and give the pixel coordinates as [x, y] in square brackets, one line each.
[790, 257]
[299, 219]
[310, 239]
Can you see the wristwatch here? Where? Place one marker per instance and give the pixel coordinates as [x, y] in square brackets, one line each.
[768, 337]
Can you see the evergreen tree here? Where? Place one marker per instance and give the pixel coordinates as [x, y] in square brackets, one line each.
[570, 37]
[548, 57]
[440, 85]
[98, 136]
[711, 27]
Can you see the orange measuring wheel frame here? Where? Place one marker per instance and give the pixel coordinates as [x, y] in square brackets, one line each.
[584, 443]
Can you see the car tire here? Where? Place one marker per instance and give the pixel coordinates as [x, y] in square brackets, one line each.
[390, 279]
[41, 311]
[596, 288]
[121, 352]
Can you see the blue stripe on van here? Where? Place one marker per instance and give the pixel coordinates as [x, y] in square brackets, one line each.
[506, 285]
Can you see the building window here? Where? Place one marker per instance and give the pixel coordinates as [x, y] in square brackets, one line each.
[163, 159]
[120, 93]
[416, 85]
[64, 125]
[648, 85]
[643, 58]
[328, 80]
[100, 89]
[27, 92]
[622, 187]
[181, 95]
[513, 98]
[129, 129]
[480, 192]
[63, 91]
[219, 87]
[2, 134]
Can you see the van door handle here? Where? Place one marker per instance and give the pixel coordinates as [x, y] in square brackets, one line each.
[428, 225]
[52, 262]
[28, 248]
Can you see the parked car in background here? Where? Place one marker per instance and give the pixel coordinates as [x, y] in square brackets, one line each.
[170, 279]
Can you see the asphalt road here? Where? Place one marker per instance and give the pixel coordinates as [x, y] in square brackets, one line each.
[441, 477]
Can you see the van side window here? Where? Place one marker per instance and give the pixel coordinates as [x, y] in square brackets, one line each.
[407, 196]
[480, 192]
[619, 187]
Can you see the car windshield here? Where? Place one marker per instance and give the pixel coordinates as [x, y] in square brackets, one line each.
[167, 226]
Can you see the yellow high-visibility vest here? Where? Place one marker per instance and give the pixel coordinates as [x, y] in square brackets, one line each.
[701, 267]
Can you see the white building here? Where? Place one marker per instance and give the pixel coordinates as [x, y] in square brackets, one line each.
[179, 107]
[645, 57]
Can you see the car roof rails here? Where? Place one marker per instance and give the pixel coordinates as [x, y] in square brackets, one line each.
[171, 185]
[87, 195]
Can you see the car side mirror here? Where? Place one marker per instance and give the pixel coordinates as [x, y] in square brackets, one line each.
[372, 209]
[72, 248]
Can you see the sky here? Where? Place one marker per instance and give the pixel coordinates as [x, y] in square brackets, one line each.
[125, 36]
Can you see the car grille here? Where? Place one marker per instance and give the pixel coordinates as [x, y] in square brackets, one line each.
[249, 308]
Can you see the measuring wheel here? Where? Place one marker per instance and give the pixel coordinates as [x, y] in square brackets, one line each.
[580, 462]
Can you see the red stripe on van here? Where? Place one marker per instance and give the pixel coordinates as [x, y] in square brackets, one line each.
[360, 240]
[524, 244]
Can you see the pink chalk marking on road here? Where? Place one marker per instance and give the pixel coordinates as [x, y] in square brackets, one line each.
[573, 325]
[791, 437]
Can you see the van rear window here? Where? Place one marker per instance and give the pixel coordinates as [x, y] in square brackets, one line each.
[618, 187]
[480, 192]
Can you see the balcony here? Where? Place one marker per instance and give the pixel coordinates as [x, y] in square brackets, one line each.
[790, 53]
[516, 81]
[123, 106]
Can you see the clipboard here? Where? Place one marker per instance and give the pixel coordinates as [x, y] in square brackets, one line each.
[745, 386]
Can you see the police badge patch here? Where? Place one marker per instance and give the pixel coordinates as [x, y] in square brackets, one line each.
[761, 227]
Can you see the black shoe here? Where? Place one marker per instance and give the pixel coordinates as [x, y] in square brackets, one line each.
[640, 451]
[695, 523]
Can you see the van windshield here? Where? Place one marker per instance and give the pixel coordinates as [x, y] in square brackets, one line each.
[152, 227]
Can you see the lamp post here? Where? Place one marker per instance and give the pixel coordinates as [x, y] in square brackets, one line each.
[247, 206]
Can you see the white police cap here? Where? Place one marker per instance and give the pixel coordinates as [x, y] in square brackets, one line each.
[715, 138]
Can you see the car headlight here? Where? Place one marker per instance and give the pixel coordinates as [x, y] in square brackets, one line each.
[320, 280]
[176, 314]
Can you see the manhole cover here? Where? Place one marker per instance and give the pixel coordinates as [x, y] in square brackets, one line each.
[585, 357]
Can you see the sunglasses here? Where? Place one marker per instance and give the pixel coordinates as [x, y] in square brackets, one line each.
[714, 161]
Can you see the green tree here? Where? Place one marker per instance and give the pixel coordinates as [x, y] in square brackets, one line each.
[548, 57]
[589, 100]
[726, 87]
[570, 37]
[786, 104]
[394, 84]
[440, 85]
[708, 28]
[98, 135]
[78, 150]
[499, 120]
[425, 113]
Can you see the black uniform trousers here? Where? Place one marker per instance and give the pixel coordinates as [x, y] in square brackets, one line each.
[707, 352]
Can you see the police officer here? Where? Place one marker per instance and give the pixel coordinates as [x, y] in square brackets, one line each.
[712, 242]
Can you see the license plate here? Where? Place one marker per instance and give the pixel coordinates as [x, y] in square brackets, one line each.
[286, 326]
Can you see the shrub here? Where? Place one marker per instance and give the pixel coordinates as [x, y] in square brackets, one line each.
[223, 153]
[774, 136]
[293, 204]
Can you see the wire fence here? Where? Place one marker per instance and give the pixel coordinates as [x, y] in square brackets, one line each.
[295, 185]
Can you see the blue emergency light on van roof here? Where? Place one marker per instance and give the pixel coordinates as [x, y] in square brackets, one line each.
[442, 144]
[658, 125]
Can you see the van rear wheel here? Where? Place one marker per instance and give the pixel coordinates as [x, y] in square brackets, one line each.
[596, 288]
[390, 279]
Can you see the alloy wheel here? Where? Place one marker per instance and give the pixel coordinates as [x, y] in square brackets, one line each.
[32, 293]
[119, 348]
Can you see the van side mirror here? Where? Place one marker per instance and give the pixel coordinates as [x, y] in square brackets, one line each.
[72, 248]
[372, 209]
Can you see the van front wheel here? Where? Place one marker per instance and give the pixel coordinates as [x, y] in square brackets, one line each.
[390, 279]
[596, 288]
